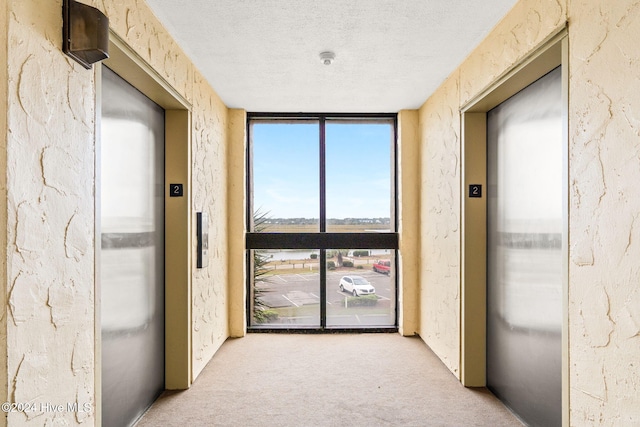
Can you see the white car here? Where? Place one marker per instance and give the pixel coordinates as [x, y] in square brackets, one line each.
[356, 285]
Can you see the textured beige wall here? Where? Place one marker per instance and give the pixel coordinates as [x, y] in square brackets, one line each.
[409, 221]
[209, 286]
[133, 21]
[522, 29]
[604, 167]
[49, 217]
[3, 205]
[440, 224]
[47, 226]
[236, 190]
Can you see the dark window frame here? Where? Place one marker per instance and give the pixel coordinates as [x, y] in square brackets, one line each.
[321, 240]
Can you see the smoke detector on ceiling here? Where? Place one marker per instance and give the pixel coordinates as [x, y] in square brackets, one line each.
[327, 58]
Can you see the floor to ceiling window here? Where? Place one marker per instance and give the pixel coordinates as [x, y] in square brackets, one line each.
[322, 241]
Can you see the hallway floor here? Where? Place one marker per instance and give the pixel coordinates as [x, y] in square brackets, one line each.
[327, 380]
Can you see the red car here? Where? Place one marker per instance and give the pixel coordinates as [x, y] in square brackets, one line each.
[382, 266]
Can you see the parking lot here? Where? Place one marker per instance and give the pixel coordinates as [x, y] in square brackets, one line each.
[296, 298]
[304, 288]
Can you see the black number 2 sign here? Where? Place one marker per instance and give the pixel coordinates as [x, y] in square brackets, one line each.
[475, 190]
[175, 190]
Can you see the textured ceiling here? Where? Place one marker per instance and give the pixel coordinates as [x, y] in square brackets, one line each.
[263, 55]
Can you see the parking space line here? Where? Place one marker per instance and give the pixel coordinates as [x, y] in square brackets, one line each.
[285, 297]
[302, 277]
[380, 296]
[280, 277]
[316, 296]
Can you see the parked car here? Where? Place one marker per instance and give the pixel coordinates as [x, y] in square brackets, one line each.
[356, 285]
[382, 266]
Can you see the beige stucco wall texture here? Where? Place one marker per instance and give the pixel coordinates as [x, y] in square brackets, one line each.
[439, 224]
[408, 225]
[236, 225]
[3, 200]
[604, 205]
[49, 221]
[47, 227]
[604, 211]
[209, 285]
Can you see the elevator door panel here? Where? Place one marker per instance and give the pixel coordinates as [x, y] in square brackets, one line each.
[524, 249]
[132, 251]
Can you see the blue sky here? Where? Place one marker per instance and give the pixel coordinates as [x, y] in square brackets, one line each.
[286, 169]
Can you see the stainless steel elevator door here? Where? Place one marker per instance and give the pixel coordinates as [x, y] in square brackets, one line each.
[524, 251]
[131, 262]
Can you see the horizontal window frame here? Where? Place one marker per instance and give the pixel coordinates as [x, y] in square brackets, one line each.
[322, 240]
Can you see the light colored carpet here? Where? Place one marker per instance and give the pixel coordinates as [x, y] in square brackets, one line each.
[327, 380]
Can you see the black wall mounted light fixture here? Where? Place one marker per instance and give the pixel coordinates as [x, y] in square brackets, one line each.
[85, 33]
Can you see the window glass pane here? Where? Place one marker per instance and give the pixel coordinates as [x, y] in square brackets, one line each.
[361, 290]
[286, 288]
[359, 176]
[354, 158]
[286, 189]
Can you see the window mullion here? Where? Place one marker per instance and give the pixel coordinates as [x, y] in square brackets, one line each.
[323, 176]
[323, 225]
[323, 288]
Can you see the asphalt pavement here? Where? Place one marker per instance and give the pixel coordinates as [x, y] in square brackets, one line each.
[304, 288]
